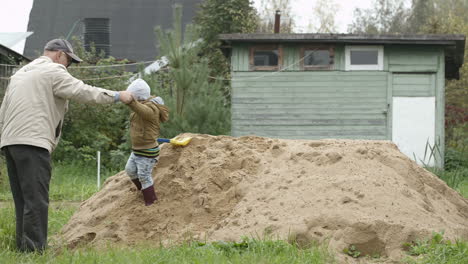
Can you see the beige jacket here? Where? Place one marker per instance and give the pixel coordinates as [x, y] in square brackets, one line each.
[36, 100]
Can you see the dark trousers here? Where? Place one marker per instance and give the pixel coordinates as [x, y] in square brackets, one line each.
[29, 171]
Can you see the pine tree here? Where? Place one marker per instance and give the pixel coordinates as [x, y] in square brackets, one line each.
[199, 103]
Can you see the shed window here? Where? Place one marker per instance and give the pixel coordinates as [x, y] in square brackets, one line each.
[317, 58]
[266, 58]
[364, 58]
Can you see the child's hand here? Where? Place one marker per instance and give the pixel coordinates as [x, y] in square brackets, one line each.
[125, 97]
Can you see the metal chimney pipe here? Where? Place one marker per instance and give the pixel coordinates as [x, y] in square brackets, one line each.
[277, 21]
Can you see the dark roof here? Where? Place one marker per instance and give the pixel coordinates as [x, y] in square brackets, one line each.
[5, 51]
[131, 23]
[344, 38]
[454, 44]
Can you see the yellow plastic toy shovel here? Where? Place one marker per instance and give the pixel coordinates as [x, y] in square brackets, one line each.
[178, 141]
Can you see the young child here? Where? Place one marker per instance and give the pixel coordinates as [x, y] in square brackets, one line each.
[147, 114]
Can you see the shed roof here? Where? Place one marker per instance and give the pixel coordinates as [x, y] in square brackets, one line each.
[454, 45]
[346, 38]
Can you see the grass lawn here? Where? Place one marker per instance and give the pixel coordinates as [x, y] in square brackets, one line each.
[463, 188]
[248, 251]
[68, 183]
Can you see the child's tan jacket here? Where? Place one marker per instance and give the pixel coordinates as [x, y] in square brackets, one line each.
[145, 123]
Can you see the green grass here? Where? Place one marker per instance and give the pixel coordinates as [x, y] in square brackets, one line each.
[438, 251]
[456, 179]
[70, 182]
[247, 251]
[58, 216]
[463, 188]
[257, 252]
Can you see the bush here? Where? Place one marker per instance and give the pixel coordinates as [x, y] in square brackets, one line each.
[456, 128]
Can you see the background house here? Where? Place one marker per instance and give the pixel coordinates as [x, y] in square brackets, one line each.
[8, 59]
[313, 86]
[125, 28]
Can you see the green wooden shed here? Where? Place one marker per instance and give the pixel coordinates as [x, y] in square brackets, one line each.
[347, 86]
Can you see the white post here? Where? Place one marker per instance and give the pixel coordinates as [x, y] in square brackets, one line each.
[99, 170]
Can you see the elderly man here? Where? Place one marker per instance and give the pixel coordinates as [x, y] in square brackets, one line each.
[31, 118]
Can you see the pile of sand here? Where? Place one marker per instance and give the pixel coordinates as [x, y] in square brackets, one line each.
[347, 192]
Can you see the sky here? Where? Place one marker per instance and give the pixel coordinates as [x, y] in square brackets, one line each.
[14, 15]
[302, 12]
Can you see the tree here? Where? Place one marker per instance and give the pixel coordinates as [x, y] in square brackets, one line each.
[199, 103]
[449, 17]
[267, 12]
[421, 11]
[181, 50]
[222, 17]
[324, 17]
[225, 16]
[386, 16]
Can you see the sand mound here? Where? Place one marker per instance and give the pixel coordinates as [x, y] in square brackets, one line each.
[346, 192]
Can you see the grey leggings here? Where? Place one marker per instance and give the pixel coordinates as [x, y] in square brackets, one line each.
[141, 168]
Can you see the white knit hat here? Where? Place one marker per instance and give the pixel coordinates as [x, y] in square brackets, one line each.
[140, 89]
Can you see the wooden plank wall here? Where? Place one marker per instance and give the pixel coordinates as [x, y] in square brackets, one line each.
[412, 59]
[414, 85]
[310, 105]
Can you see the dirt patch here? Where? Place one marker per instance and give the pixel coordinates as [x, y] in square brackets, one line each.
[344, 192]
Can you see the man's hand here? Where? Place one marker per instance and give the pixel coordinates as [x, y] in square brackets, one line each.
[125, 97]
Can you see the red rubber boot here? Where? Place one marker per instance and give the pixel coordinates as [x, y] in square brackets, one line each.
[149, 195]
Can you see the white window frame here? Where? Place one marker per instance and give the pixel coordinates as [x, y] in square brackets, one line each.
[371, 67]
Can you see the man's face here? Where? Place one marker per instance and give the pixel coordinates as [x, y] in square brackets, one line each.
[64, 59]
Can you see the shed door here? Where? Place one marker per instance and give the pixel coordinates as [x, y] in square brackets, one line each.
[413, 115]
[311, 105]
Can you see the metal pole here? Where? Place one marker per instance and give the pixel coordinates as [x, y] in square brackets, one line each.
[99, 170]
[72, 29]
